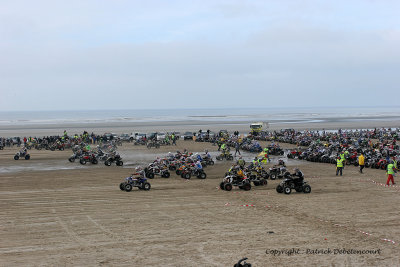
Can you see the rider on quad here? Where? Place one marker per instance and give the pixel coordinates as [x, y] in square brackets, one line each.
[298, 176]
[241, 162]
[198, 165]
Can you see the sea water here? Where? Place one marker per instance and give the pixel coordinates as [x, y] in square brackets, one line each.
[227, 115]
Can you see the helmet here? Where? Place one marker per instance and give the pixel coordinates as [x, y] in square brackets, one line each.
[206, 151]
[138, 169]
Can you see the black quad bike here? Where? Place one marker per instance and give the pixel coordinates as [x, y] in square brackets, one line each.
[287, 185]
[233, 180]
[114, 158]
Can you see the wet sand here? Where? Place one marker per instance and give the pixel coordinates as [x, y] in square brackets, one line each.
[183, 126]
[52, 216]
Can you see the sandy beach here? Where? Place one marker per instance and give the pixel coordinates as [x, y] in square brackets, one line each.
[57, 213]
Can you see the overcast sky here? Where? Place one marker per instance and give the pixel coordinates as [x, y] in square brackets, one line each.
[122, 54]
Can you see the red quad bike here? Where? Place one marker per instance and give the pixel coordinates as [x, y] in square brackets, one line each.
[89, 157]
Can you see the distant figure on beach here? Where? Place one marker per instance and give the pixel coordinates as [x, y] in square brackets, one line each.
[391, 170]
[361, 162]
[237, 147]
[339, 166]
[173, 138]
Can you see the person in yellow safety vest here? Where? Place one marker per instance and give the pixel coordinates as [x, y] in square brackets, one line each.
[223, 147]
[339, 166]
[342, 156]
[390, 172]
[361, 162]
[266, 155]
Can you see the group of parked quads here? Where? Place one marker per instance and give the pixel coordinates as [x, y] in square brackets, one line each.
[106, 155]
[258, 176]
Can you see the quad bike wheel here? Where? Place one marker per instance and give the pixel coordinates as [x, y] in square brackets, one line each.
[178, 172]
[211, 163]
[128, 187]
[228, 186]
[122, 186]
[273, 176]
[279, 189]
[150, 175]
[95, 161]
[263, 182]
[119, 163]
[202, 175]
[146, 186]
[16, 157]
[307, 189]
[71, 159]
[172, 168]
[82, 161]
[187, 175]
[166, 175]
[246, 186]
[287, 190]
[107, 163]
[256, 183]
[230, 157]
[221, 186]
[218, 158]
[27, 157]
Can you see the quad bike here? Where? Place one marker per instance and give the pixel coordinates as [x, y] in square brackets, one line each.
[258, 176]
[278, 172]
[153, 170]
[114, 158]
[153, 144]
[88, 157]
[225, 155]
[188, 172]
[233, 180]
[75, 156]
[244, 264]
[287, 185]
[208, 161]
[22, 154]
[131, 182]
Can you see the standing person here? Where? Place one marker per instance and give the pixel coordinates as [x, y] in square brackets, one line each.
[237, 147]
[266, 155]
[342, 157]
[173, 137]
[339, 166]
[390, 172]
[361, 162]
